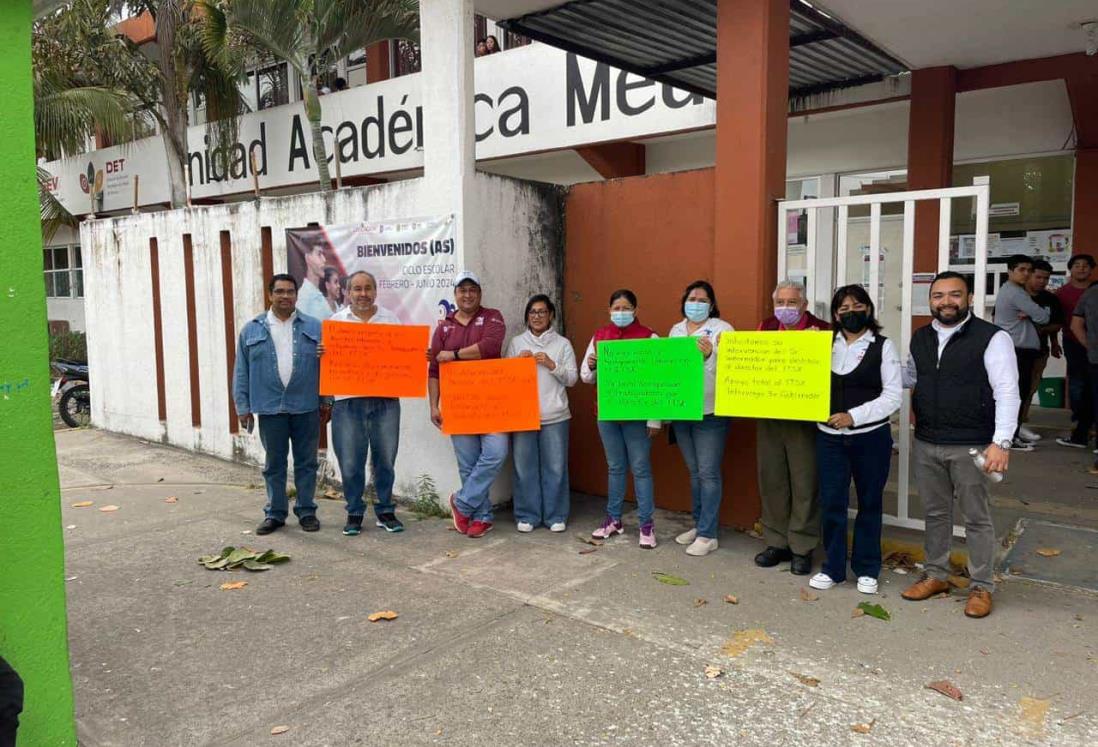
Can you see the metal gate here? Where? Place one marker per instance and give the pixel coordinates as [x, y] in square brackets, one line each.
[836, 258]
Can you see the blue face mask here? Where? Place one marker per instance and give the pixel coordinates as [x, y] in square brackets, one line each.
[696, 311]
[622, 318]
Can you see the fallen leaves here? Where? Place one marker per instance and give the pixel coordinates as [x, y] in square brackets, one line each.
[171, 499]
[670, 580]
[875, 610]
[858, 612]
[233, 585]
[1032, 713]
[588, 550]
[863, 728]
[332, 494]
[1048, 552]
[83, 504]
[946, 688]
[808, 596]
[712, 672]
[742, 640]
[731, 599]
[452, 553]
[588, 540]
[231, 558]
[804, 679]
[279, 730]
[108, 509]
[701, 602]
[383, 615]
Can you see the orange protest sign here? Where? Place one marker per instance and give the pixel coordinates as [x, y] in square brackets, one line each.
[374, 360]
[493, 396]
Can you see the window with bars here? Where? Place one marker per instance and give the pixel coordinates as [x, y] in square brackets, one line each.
[64, 270]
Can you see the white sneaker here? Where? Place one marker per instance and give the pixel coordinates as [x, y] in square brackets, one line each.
[558, 527]
[867, 584]
[1028, 435]
[821, 581]
[525, 526]
[687, 537]
[702, 546]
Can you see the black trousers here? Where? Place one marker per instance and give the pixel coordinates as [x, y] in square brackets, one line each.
[1026, 359]
[1079, 390]
[11, 703]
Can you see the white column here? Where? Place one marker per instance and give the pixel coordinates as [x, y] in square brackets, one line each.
[449, 164]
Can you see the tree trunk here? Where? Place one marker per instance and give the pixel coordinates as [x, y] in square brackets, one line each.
[174, 101]
[320, 153]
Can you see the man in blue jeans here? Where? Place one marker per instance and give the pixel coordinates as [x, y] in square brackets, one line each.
[366, 425]
[277, 378]
[471, 332]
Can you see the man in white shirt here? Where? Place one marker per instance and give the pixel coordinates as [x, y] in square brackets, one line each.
[965, 379]
[366, 425]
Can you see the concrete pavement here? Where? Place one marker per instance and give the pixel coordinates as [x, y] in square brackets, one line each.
[517, 639]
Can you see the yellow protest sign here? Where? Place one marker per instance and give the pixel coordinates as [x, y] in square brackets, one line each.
[777, 375]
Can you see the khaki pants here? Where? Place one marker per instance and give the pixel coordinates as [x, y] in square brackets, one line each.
[944, 473]
[787, 484]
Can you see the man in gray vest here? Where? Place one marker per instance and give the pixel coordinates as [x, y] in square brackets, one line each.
[965, 379]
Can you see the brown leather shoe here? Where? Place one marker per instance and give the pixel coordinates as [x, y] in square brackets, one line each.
[924, 589]
[979, 603]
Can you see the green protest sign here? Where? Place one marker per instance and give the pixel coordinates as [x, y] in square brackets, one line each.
[660, 378]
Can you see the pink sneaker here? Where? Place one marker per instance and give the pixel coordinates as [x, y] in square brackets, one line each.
[647, 536]
[461, 521]
[609, 528]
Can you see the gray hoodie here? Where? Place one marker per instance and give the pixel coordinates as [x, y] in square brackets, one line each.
[1012, 300]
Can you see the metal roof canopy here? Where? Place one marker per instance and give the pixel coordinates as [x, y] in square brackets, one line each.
[675, 42]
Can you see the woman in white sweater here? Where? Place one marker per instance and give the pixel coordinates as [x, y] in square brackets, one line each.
[541, 457]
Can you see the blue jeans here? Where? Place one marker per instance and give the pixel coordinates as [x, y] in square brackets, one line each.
[364, 425]
[627, 448]
[541, 474]
[867, 457]
[277, 433]
[702, 445]
[479, 459]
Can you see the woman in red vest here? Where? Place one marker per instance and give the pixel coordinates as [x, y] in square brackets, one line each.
[626, 442]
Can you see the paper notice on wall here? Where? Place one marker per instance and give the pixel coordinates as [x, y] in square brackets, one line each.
[920, 293]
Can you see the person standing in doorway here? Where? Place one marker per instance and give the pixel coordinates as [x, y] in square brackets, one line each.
[1084, 325]
[471, 332]
[276, 378]
[702, 441]
[1020, 316]
[856, 441]
[541, 457]
[1048, 335]
[786, 453]
[366, 425]
[1080, 268]
[627, 443]
[965, 379]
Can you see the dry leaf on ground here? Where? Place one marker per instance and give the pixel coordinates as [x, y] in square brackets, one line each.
[863, 728]
[279, 730]
[588, 550]
[946, 688]
[588, 540]
[171, 499]
[383, 615]
[108, 509]
[451, 553]
[712, 672]
[83, 504]
[808, 596]
[231, 585]
[700, 602]
[858, 612]
[731, 599]
[1033, 712]
[1048, 552]
[806, 680]
[742, 640]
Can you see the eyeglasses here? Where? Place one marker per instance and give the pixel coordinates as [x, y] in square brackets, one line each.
[538, 312]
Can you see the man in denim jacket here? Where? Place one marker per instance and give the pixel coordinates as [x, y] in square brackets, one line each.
[277, 378]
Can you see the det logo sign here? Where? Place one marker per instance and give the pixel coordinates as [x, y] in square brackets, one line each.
[116, 181]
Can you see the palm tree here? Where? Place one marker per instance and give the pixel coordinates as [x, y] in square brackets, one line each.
[310, 35]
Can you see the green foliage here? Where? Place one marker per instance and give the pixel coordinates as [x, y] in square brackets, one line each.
[72, 346]
[875, 610]
[427, 503]
[667, 578]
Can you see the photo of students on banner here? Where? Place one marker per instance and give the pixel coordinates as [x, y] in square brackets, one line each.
[415, 263]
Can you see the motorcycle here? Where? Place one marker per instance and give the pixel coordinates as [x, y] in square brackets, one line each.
[74, 407]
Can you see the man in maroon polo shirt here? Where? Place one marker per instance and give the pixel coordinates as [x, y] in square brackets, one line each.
[469, 333]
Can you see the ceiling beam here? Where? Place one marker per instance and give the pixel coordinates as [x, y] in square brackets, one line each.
[1026, 71]
[614, 160]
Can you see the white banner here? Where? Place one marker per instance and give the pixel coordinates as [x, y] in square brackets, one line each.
[415, 263]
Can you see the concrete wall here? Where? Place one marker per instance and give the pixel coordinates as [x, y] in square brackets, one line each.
[519, 219]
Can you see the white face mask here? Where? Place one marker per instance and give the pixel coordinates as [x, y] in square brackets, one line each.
[622, 318]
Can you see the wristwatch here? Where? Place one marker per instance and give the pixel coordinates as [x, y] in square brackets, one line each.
[1004, 444]
[457, 354]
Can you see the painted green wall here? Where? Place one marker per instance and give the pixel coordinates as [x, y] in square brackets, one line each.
[32, 561]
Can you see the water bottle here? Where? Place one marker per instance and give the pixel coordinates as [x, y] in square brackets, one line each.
[980, 460]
